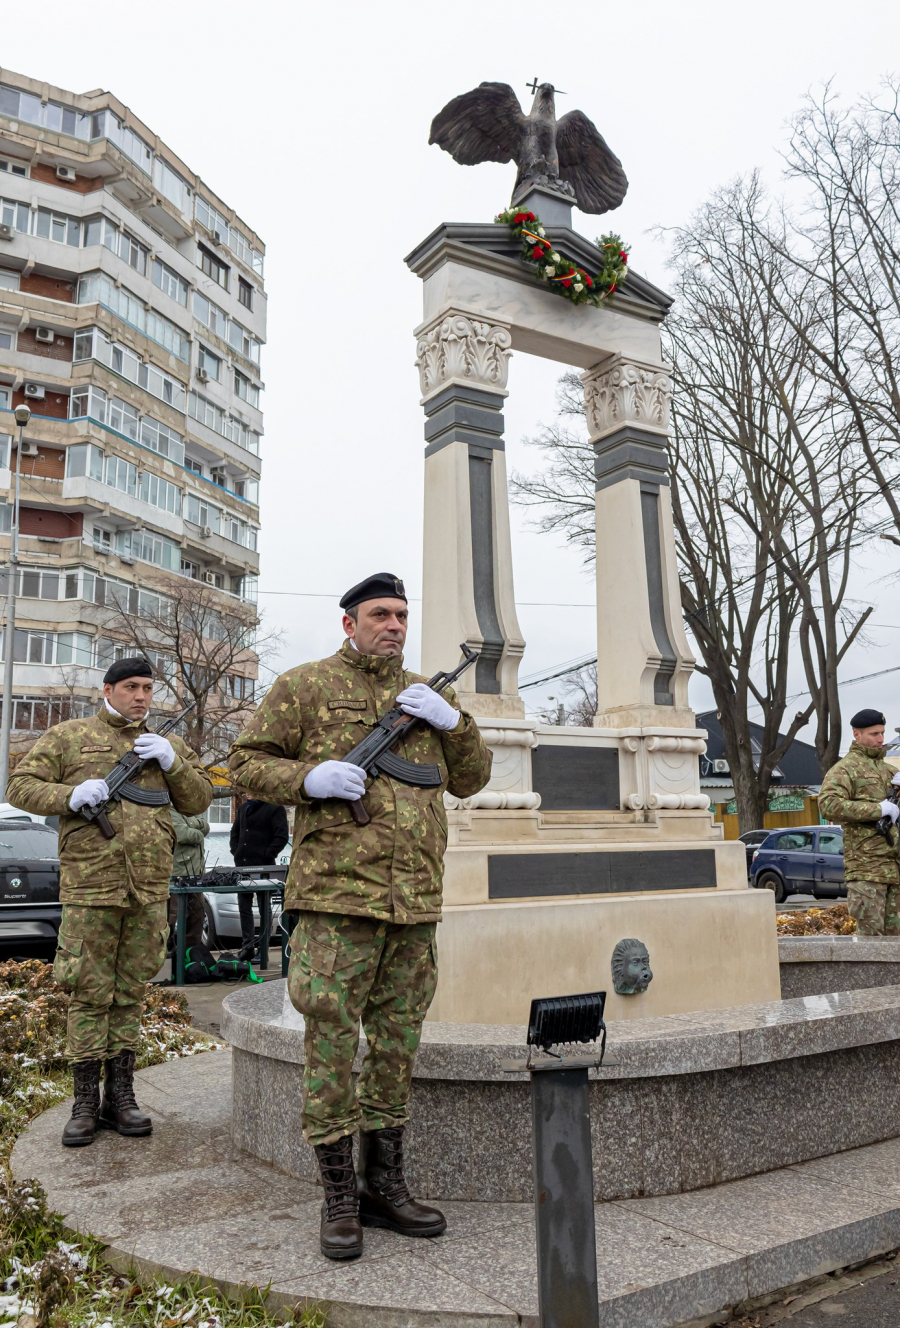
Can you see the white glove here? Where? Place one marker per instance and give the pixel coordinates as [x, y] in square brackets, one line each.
[421, 701]
[890, 809]
[89, 794]
[896, 780]
[336, 779]
[152, 747]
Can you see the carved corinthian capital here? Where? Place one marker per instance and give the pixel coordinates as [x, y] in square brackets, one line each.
[463, 350]
[620, 392]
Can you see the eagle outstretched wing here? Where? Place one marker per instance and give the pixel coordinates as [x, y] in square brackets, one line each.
[588, 164]
[485, 124]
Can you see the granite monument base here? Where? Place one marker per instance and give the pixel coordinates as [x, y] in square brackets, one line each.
[692, 1100]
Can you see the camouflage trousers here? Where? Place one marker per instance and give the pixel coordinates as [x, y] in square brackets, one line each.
[344, 970]
[107, 954]
[876, 907]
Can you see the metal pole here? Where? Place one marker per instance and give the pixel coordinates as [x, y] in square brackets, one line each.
[564, 1199]
[23, 415]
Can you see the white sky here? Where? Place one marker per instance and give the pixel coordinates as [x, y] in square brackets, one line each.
[313, 120]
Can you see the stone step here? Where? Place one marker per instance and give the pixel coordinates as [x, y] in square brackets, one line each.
[186, 1200]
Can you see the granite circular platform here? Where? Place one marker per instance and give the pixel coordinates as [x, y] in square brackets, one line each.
[187, 1200]
[692, 1100]
[813, 965]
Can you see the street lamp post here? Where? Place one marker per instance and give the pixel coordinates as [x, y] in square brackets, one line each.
[23, 415]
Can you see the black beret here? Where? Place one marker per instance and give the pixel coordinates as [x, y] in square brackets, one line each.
[128, 668]
[867, 719]
[382, 585]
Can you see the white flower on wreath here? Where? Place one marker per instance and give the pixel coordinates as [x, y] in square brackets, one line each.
[553, 256]
[539, 230]
[578, 286]
[549, 270]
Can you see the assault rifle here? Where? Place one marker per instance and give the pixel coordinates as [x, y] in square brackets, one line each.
[119, 781]
[374, 753]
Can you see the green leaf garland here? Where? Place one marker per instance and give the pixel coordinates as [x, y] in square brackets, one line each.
[563, 276]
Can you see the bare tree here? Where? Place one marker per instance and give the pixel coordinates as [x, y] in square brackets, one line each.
[204, 646]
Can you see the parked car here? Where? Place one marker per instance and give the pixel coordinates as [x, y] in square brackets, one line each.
[30, 911]
[752, 839]
[805, 859]
[223, 923]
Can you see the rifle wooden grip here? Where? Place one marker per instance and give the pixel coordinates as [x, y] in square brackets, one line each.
[105, 825]
[359, 813]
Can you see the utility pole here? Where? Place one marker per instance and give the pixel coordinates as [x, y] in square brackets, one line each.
[23, 415]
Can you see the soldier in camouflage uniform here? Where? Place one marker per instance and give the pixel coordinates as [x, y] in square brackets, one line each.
[114, 892]
[854, 793]
[369, 899]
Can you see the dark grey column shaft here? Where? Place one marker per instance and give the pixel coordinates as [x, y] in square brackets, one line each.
[472, 416]
[564, 1200]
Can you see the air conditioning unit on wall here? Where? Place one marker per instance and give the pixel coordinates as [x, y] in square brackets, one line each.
[66, 173]
[202, 376]
[45, 334]
[29, 449]
[720, 767]
[35, 391]
[209, 578]
[7, 232]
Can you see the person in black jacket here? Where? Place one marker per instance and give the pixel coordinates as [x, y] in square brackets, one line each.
[259, 833]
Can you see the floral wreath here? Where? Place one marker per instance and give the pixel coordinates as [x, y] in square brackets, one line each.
[568, 279]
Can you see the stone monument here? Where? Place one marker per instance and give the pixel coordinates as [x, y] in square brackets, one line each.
[584, 835]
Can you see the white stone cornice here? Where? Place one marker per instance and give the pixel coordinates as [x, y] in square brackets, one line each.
[620, 392]
[460, 349]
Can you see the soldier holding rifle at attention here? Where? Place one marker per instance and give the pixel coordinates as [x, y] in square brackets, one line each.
[858, 793]
[367, 885]
[114, 891]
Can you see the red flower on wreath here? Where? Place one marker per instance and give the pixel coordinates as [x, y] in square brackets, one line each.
[588, 280]
[567, 281]
[624, 257]
[537, 252]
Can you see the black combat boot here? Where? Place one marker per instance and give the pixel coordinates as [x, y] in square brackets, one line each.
[384, 1198]
[340, 1235]
[82, 1124]
[119, 1110]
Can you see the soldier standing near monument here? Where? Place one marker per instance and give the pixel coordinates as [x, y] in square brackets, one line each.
[855, 794]
[369, 898]
[114, 892]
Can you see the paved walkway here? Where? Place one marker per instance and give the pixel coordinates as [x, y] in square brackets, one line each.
[185, 1199]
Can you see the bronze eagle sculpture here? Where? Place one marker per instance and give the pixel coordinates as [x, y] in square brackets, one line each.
[569, 155]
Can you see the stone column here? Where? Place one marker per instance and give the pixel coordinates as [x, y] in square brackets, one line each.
[467, 562]
[643, 658]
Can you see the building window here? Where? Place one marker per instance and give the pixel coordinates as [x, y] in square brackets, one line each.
[209, 365]
[210, 315]
[149, 548]
[17, 215]
[201, 513]
[246, 390]
[241, 341]
[104, 124]
[13, 167]
[100, 230]
[219, 226]
[121, 474]
[7, 340]
[190, 569]
[245, 293]
[160, 493]
[160, 438]
[58, 227]
[49, 115]
[169, 282]
[5, 443]
[195, 467]
[213, 267]
[169, 183]
[87, 460]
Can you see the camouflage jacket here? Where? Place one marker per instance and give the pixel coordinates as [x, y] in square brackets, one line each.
[391, 869]
[94, 870]
[851, 795]
[190, 846]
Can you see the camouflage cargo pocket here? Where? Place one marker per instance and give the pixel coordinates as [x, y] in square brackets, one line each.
[69, 961]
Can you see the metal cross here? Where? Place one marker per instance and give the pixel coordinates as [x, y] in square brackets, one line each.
[533, 85]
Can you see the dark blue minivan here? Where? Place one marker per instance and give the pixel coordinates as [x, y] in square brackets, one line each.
[801, 860]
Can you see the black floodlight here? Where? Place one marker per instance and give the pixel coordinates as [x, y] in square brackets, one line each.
[560, 1019]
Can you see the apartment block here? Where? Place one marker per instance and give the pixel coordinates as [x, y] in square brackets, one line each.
[132, 316]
